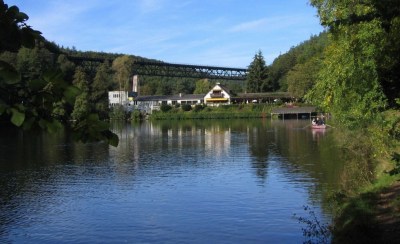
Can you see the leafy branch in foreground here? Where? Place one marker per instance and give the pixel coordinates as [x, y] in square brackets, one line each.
[315, 231]
[39, 100]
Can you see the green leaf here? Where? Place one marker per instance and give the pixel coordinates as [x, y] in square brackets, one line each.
[12, 12]
[21, 17]
[17, 117]
[70, 94]
[9, 74]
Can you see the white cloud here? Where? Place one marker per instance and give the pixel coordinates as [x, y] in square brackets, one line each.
[249, 26]
[269, 24]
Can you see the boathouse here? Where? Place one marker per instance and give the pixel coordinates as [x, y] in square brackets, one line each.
[294, 112]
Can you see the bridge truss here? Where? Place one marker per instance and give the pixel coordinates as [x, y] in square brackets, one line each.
[190, 71]
[171, 70]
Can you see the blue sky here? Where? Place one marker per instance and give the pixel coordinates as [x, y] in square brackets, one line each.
[208, 32]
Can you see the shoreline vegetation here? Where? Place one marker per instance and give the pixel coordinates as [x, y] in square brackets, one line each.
[188, 112]
[204, 112]
[367, 208]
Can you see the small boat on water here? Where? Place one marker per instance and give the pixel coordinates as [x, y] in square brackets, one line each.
[318, 127]
[318, 124]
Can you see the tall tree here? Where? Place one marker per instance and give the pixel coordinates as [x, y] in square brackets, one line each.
[202, 86]
[122, 67]
[67, 67]
[349, 83]
[81, 106]
[99, 89]
[257, 76]
[302, 77]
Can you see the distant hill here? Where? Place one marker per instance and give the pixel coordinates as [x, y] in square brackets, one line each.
[295, 57]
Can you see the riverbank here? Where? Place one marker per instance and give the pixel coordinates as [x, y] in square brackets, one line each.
[206, 112]
[372, 216]
[368, 206]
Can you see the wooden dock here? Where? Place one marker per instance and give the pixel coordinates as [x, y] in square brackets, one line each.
[294, 111]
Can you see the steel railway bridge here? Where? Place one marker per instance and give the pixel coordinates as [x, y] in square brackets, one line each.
[152, 68]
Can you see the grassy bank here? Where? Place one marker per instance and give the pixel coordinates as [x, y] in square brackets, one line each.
[367, 208]
[221, 112]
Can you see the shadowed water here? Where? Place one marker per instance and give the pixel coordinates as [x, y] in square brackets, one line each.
[238, 181]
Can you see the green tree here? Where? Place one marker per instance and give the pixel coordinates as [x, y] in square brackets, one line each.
[81, 106]
[349, 83]
[28, 102]
[302, 77]
[33, 61]
[184, 86]
[202, 86]
[279, 69]
[257, 76]
[122, 67]
[99, 89]
[163, 88]
[67, 67]
[146, 89]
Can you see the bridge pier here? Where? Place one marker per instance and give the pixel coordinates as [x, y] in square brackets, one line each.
[135, 84]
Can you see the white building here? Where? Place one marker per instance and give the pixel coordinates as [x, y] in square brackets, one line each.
[117, 98]
[218, 95]
[149, 103]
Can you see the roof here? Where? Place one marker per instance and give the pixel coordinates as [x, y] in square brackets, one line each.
[226, 89]
[171, 97]
[293, 110]
[265, 95]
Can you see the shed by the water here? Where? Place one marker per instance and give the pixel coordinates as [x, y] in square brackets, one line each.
[294, 111]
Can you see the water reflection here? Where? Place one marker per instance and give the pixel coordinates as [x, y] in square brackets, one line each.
[204, 181]
[293, 146]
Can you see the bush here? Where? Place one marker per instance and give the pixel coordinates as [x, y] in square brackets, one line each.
[118, 113]
[198, 108]
[136, 115]
[186, 107]
[165, 108]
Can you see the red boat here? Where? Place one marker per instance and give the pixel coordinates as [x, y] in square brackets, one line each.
[318, 127]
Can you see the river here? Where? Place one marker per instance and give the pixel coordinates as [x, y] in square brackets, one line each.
[215, 181]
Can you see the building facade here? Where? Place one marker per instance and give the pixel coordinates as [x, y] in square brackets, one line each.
[117, 98]
[218, 95]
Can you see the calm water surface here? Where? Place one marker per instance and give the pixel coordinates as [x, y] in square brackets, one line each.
[238, 181]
